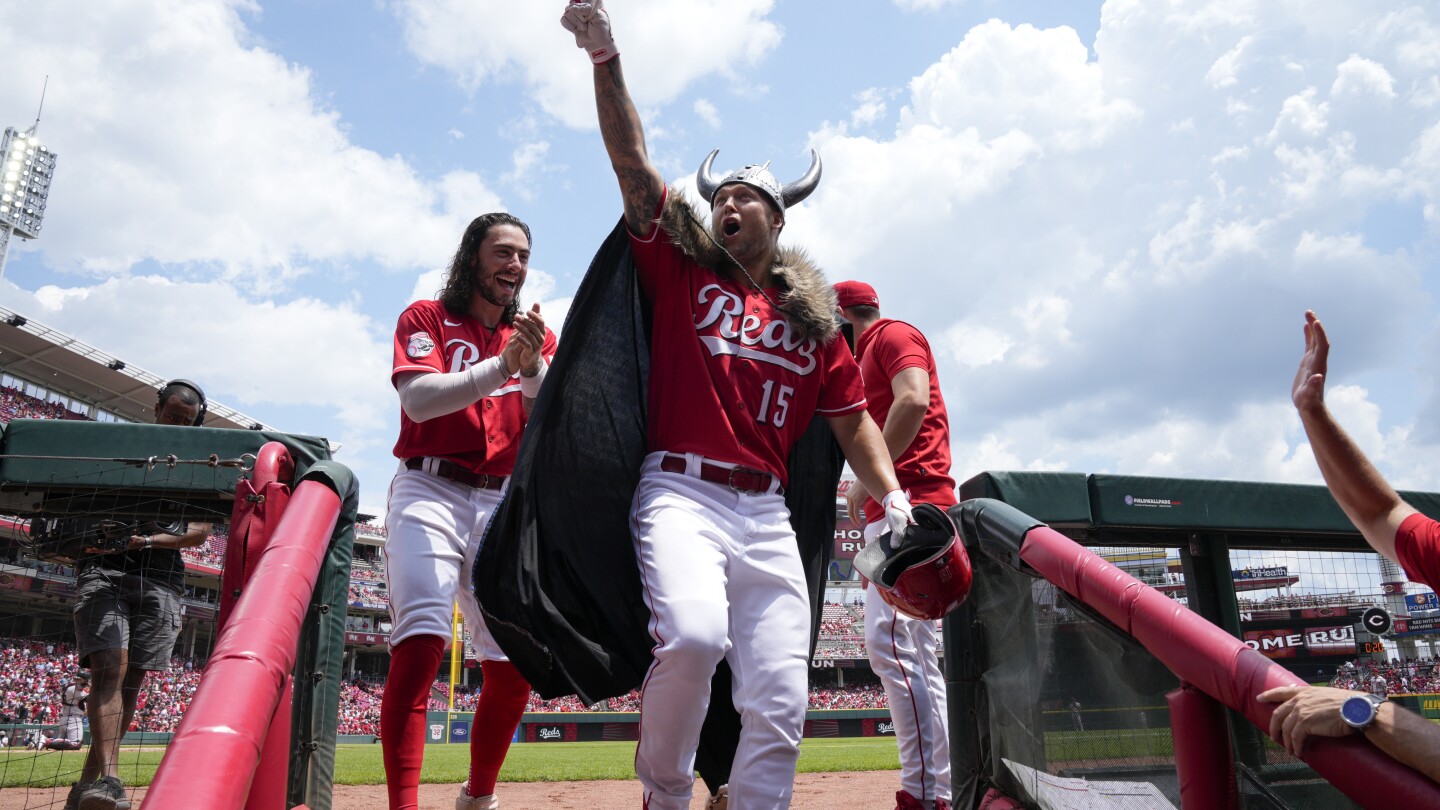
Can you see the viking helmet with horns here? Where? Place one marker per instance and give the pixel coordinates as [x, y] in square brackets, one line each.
[761, 178]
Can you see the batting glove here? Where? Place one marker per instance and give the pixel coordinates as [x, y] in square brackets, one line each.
[590, 24]
[898, 515]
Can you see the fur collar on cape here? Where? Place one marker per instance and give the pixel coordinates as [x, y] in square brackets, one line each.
[808, 300]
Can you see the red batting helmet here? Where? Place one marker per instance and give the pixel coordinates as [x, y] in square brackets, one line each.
[928, 574]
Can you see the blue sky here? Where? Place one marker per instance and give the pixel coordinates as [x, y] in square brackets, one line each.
[1108, 217]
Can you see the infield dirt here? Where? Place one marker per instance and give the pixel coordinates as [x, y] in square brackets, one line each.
[861, 789]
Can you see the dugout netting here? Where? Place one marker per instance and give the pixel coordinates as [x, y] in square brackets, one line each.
[1052, 693]
[69, 489]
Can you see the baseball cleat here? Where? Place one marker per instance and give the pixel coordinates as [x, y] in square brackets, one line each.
[904, 801]
[467, 802]
[720, 800]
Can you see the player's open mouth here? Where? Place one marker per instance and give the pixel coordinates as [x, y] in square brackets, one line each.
[730, 227]
[510, 283]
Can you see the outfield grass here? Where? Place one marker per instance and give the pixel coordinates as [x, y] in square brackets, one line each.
[449, 764]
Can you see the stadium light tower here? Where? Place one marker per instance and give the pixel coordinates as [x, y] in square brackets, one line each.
[26, 169]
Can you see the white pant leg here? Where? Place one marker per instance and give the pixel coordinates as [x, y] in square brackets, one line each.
[902, 653]
[485, 502]
[680, 537]
[428, 523]
[770, 631]
[75, 728]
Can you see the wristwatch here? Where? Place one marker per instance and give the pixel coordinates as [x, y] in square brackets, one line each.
[1360, 711]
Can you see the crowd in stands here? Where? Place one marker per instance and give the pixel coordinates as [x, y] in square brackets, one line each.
[1305, 600]
[365, 595]
[33, 675]
[856, 696]
[1393, 677]
[210, 555]
[370, 530]
[16, 404]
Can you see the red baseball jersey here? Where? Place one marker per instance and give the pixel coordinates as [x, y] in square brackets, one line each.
[1417, 544]
[483, 437]
[884, 350]
[730, 377]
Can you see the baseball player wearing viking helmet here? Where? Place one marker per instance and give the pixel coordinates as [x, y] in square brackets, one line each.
[904, 398]
[744, 354]
[467, 367]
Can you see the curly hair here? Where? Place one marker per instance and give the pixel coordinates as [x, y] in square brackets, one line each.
[460, 280]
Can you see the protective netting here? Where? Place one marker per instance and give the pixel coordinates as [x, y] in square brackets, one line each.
[1062, 695]
[76, 576]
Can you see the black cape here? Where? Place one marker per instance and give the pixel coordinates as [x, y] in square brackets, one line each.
[556, 577]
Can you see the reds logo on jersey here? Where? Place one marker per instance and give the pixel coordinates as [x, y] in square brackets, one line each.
[420, 345]
[466, 354]
[750, 336]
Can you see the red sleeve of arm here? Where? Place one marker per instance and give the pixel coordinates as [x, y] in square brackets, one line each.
[416, 349]
[654, 252]
[841, 391]
[551, 344]
[900, 346]
[1417, 544]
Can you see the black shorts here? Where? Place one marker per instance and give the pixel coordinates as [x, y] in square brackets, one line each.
[116, 611]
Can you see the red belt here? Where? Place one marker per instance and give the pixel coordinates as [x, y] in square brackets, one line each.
[740, 479]
[456, 473]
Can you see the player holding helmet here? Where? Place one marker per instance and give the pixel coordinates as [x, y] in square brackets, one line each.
[904, 398]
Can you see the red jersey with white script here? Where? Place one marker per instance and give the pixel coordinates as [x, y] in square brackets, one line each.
[884, 350]
[1417, 544]
[484, 437]
[730, 378]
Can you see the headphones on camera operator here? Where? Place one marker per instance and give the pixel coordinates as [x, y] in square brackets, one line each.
[160, 397]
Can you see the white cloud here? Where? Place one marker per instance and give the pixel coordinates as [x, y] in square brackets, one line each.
[1300, 115]
[870, 108]
[182, 141]
[341, 375]
[988, 83]
[527, 169]
[1112, 254]
[671, 43]
[1358, 76]
[1223, 72]
[707, 112]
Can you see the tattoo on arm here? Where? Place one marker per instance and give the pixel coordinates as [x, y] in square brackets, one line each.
[640, 183]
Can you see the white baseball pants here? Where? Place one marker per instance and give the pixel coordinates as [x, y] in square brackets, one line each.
[433, 529]
[723, 579]
[902, 653]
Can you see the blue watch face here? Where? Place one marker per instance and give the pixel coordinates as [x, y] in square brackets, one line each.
[1357, 711]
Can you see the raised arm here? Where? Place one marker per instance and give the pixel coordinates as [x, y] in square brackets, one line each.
[1370, 503]
[641, 185]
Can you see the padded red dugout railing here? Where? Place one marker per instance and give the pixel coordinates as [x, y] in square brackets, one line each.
[1201, 654]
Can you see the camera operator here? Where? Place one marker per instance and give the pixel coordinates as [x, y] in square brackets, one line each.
[127, 618]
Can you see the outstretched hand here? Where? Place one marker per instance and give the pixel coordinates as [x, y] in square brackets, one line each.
[1304, 712]
[1308, 390]
[590, 23]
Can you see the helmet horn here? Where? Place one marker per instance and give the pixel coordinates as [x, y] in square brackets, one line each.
[705, 182]
[794, 192]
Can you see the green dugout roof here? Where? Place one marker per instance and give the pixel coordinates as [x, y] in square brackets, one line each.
[1094, 507]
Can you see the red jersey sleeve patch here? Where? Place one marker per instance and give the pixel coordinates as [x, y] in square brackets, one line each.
[416, 342]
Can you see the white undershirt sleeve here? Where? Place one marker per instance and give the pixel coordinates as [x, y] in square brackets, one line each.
[426, 396]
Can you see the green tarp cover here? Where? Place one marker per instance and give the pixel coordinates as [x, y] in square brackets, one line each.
[1123, 501]
[39, 470]
[320, 658]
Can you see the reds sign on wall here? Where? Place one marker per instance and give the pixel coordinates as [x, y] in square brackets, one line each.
[1287, 642]
[849, 539]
